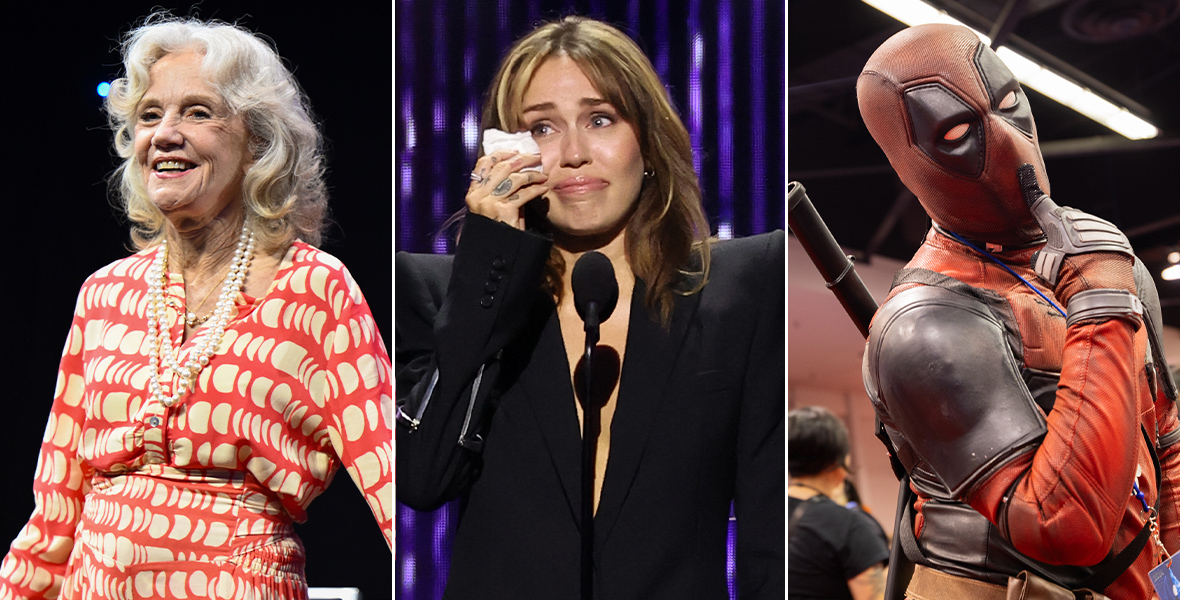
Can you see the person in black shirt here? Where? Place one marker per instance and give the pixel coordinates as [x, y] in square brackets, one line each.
[832, 552]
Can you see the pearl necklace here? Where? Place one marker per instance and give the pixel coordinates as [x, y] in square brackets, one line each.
[159, 340]
[190, 318]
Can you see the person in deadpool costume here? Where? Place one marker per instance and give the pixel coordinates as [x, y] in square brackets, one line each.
[1016, 365]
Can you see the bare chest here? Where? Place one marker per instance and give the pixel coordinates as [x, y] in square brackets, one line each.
[603, 373]
[611, 347]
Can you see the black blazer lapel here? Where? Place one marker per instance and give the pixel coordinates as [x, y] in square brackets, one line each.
[648, 364]
[550, 394]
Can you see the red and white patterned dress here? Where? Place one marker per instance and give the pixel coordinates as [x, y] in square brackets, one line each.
[137, 500]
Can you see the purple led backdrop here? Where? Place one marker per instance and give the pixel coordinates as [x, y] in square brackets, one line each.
[723, 64]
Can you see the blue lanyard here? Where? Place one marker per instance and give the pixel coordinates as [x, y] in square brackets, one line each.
[1006, 268]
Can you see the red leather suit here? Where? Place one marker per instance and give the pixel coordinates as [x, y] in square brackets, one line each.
[959, 404]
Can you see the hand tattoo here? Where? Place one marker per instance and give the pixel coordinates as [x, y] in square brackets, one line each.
[502, 188]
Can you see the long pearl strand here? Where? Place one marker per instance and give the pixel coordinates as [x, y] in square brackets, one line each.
[159, 340]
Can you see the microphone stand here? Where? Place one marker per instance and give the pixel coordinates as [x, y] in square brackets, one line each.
[590, 427]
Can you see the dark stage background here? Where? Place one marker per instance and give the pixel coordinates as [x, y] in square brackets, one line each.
[723, 64]
[59, 226]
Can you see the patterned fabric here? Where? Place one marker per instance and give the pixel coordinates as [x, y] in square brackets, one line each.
[136, 500]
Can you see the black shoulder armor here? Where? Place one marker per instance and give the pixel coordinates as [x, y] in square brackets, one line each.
[1153, 318]
[946, 386]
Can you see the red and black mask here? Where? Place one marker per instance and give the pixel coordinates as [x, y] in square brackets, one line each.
[955, 125]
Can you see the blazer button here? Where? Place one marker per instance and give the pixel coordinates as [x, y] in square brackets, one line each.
[499, 263]
[490, 287]
[486, 301]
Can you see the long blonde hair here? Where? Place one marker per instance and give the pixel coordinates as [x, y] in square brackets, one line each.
[667, 232]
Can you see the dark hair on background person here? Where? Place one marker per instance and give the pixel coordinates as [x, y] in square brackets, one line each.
[816, 441]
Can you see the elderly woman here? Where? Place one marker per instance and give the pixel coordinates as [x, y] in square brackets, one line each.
[213, 382]
[488, 342]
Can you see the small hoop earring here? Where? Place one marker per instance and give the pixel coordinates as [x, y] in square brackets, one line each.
[649, 173]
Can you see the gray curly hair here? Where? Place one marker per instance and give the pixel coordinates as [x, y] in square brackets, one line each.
[283, 192]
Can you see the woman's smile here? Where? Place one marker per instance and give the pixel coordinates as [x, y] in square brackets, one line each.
[193, 148]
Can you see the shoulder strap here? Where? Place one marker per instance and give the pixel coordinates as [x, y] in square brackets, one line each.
[1111, 568]
[798, 512]
[1152, 317]
[903, 551]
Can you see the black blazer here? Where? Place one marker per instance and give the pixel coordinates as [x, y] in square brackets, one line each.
[486, 413]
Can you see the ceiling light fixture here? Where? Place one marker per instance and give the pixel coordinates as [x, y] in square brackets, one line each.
[1030, 73]
[1172, 272]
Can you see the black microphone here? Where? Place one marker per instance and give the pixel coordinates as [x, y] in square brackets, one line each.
[595, 289]
[595, 294]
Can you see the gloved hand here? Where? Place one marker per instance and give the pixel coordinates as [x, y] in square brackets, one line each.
[1082, 254]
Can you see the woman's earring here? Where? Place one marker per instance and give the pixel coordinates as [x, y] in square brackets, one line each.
[649, 173]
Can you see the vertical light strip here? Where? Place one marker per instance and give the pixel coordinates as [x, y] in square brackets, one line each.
[470, 123]
[406, 555]
[694, 85]
[406, 537]
[406, 171]
[662, 39]
[731, 555]
[405, 52]
[725, 119]
[757, 118]
[439, 141]
[441, 548]
[470, 129]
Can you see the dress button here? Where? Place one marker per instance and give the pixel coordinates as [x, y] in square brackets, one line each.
[499, 263]
[490, 287]
[486, 301]
[496, 275]
[154, 421]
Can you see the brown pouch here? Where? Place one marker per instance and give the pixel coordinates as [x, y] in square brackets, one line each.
[1028, 586]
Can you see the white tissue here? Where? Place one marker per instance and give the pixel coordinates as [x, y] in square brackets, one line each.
[495, 140]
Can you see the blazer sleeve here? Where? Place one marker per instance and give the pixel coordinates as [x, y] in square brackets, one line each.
[760, 496]
[36, 562]
[447, 341]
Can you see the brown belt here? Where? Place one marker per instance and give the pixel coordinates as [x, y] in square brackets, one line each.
[929, 584]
